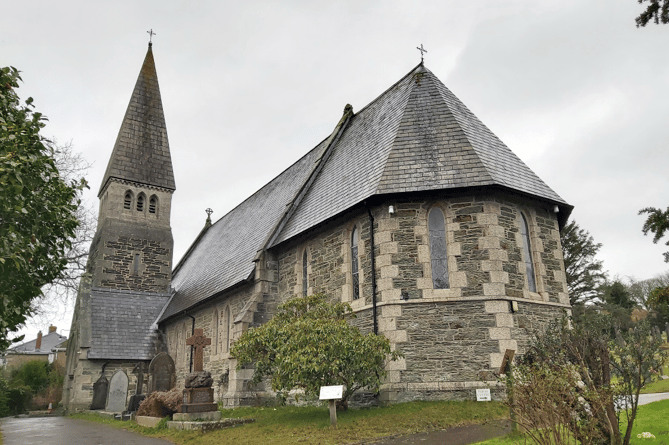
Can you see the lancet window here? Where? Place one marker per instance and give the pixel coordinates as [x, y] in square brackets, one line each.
[438, 250]
[355, 266]
[527, 254]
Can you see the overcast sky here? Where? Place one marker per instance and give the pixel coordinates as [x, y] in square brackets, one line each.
[572, 87]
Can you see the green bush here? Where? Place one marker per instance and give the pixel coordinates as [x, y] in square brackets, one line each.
[18, 399]
[33, 374]
[4, 397]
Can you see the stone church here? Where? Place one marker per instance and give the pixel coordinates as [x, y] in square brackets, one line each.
[411, 210]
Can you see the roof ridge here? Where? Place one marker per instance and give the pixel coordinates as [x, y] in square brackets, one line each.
[306, 185]
[426, 139]
[414, 69]
[501, 158]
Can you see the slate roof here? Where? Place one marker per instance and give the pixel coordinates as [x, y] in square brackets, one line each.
[49, 341]
[223, 255]
[123, 324]
[142, 152]
[416, 136]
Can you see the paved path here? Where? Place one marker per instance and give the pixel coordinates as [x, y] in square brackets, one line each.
[66, 431]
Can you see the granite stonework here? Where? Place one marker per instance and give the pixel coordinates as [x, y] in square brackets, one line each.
[415, 149]
[453, 340]
[247, 307]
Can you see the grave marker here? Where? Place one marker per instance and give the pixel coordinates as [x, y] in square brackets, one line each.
[118, 392]
[198, 341]
[163, 373]
[100, 389]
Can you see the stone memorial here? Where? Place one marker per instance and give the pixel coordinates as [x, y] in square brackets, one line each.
[162, 373]
[100, 388]
[199, 394]
[118, 392]
[137, 398]
[657, 333]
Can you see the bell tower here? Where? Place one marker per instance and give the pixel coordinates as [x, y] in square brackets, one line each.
[132, 248]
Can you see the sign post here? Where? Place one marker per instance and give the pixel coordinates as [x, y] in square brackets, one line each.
[332, 393]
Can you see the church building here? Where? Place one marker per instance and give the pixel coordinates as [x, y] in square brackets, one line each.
[411, 210]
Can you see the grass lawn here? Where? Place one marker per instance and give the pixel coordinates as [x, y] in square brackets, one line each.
[651, 418]
[311, 425]
[660, 385]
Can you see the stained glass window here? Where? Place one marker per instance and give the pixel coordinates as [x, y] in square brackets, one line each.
[527, 254]
[355, 272]
[438, 254]
[305, 275]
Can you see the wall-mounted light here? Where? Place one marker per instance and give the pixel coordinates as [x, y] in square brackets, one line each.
[391, 209]
[556, 209]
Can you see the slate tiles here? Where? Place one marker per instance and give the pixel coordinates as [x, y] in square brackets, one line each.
[416, 136]
[121, 324]
[141, 152]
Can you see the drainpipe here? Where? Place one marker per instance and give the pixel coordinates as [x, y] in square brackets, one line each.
[373, 260]
[192, 332]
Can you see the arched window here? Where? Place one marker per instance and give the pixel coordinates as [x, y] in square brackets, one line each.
[355, 272]
[127, 200]
[438, 254]
[140, 203]
[305, 273]
[153, 204]
[527, 254]
[224, 331]
[214, 325]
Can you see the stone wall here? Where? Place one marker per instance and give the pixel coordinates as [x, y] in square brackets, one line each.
[452, 340]
[132, 249]
[87, 372]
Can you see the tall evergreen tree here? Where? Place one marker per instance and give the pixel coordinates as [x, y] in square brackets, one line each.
[657, 223]
[584, 272]
[657, 11]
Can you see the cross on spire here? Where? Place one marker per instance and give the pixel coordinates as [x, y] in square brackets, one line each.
[422, 50]
[151, 34]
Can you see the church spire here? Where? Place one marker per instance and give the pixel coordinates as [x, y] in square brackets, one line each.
[141, 153]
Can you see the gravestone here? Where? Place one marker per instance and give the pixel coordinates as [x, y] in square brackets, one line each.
[198, 397]
[657, 333]
[162, 373]
[118, 392]
[138, 397]
[100, 388]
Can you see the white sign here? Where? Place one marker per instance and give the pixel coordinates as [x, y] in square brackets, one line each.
[331, 392]
[483, 395]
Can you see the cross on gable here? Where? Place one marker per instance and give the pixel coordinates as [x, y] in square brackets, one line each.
[198, 341]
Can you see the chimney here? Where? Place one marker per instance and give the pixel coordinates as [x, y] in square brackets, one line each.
[38, 342]
[52, 329]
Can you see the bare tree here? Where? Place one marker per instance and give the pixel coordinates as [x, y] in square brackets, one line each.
[59, 296]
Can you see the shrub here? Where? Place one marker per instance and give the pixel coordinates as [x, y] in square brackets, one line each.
[308, 344]
[161, 403]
